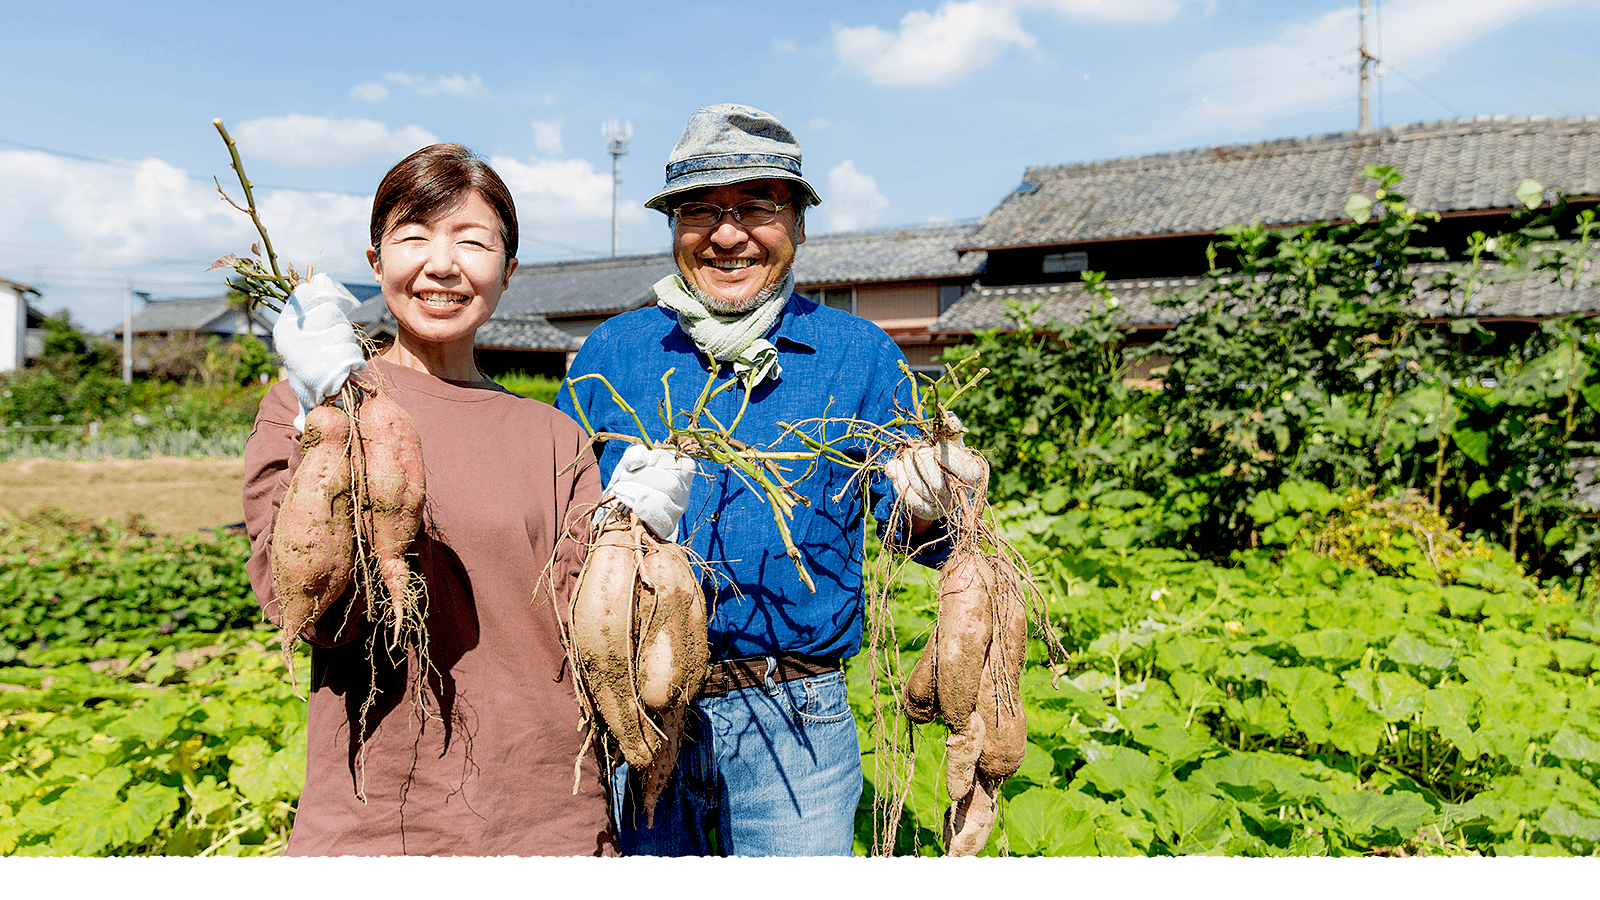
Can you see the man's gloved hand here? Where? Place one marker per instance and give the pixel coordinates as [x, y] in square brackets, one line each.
[655, 485]
[318, 344]
[927, 475]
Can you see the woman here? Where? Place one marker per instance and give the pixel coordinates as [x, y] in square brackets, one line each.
[470, 750]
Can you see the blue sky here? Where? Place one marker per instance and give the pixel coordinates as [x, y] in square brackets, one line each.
[908, 112]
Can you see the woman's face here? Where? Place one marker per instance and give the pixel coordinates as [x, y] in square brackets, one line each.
[443, 279]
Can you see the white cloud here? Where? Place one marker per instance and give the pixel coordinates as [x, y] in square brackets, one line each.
[371, 91]
[785, 46]
[317, 141]
[1310, 64]
[962, 36]
[560, 196]
[853, 198]
[86, 230]
[547, 136]
[1109, 10]
[444, 84]
[932, 49]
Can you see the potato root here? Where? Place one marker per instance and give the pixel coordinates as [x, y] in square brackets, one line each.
[637, 637]
[1000, 690]
[394, 488]
[922, 693]
[968, 675]
[1005, 727]
[670, 621]
[970, 819]
[313, 539]
[602, 635]
[962, 748]
[966, 623]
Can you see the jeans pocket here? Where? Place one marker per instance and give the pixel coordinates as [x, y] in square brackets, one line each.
[819, 699]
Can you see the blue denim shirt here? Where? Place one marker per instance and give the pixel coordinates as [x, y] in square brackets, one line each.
[834, 365]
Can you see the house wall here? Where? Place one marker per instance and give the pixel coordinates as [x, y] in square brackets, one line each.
[13, 328]
[890, 302]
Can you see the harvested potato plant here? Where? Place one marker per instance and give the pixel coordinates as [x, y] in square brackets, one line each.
[637, 636]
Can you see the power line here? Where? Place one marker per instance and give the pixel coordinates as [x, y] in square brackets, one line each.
[125, 164]
[1452, 110]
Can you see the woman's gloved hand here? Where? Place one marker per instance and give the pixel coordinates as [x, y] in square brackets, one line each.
[318, 344]
[655, 485]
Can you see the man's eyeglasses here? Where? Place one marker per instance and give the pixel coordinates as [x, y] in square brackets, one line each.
[750, 212]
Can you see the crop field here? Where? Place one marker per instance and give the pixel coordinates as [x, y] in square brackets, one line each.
[1291, 705]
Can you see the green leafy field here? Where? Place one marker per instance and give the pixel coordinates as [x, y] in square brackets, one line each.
[1293, 706]
[1288, 704]
[186, 745]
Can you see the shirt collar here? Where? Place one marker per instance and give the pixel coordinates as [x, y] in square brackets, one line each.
[796, 324]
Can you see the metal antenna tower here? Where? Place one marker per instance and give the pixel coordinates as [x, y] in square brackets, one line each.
[617, 136]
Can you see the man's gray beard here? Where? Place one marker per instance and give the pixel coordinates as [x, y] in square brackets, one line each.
[738, 307]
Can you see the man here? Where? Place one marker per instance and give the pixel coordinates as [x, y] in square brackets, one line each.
[770, 763]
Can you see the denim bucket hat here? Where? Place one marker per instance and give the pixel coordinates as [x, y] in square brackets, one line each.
[727, 144]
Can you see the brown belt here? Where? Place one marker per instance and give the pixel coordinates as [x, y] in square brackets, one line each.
[734, 674]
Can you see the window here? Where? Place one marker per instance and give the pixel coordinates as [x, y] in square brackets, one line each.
[948, 295]
[839, 298]
[1056, 263]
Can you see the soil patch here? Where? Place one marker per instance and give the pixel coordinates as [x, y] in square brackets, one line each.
[173, 495]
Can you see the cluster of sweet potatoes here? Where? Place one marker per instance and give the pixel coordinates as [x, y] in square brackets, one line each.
[350, 514]
[969, 675]
[637, 636]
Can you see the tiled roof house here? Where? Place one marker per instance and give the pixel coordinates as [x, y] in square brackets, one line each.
[191, 315]
[901, 279]
[1145, 221]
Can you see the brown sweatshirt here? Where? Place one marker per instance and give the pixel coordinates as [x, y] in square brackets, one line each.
[478, 757]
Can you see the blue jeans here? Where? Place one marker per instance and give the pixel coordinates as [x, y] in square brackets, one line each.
[774, 769]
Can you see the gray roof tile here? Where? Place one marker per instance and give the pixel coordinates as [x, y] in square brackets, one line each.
[900, 254]
[501, 332]
[1462, 164]
[199, 314]
[590, 286]
[532, 333]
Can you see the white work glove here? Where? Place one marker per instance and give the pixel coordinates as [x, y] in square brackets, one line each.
[926, 476]
[318, 344]
[655, 485]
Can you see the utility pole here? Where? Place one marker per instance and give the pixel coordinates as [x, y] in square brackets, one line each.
[617, 137]
[127, 330]
[1367, 59]
[127, 335]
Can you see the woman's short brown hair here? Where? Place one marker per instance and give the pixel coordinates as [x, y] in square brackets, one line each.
[431, 182]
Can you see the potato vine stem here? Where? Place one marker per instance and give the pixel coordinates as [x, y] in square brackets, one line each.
[271, 290]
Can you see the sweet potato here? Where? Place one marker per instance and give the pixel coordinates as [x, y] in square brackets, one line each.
[670, 625]
[1000, 691]
[394, 488]
[313, 538]
[666, 759]
[602, 638]
[965, 627]
[970, 819]
[962, 747]
[922, 693]
[1005, 728]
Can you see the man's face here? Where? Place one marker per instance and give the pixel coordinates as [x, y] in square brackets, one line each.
[733, 265]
